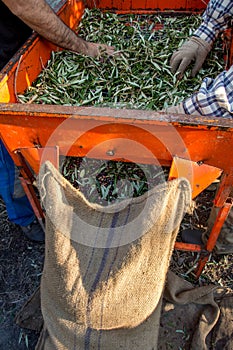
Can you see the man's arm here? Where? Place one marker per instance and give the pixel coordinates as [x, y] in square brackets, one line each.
[39, 16]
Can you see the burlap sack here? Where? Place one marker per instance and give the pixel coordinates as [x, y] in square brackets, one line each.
[105, 267]
[194, 309]
[223, 332]
[30, 316]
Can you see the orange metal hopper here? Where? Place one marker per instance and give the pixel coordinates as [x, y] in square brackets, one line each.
[32, 133]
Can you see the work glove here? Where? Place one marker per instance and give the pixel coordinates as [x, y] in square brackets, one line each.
[195, 49]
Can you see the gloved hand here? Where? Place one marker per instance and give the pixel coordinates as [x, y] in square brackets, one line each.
[175, 109]
[195, 49]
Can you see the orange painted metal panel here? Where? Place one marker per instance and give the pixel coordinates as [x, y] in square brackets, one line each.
[223, 191]
[139, 136]
[155, 5]
[80, 131]
[166, 4]
[139, 4]
[34, 156]
[100, 4]
[187, 246]
[151, 4]
[196, 4]
[116, 4]
[200, 176]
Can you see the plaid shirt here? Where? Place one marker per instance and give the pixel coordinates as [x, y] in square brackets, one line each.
[215, 96]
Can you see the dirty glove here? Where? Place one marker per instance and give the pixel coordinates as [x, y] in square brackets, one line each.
[195, 49]
[175, 109]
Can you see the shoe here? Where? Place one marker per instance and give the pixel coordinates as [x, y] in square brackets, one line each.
[192, 236]
[34, 232]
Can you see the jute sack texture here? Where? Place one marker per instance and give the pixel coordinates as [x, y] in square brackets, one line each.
[105, 267]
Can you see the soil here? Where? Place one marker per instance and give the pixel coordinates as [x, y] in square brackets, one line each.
[22, 264]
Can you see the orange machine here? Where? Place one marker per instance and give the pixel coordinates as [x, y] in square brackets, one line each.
[198, 148]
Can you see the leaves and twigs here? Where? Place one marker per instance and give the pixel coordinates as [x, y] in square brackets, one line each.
[105, 182]
[138, 77]
[23, 337]
[219, 271]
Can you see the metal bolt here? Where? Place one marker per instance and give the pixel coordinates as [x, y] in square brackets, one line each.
[110, 152]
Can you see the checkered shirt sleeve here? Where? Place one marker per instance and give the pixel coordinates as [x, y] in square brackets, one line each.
[217, 17]
[214, 98]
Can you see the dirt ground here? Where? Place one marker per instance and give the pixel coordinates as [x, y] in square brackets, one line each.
[21, 264]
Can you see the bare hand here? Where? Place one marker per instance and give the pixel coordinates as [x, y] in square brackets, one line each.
[97, 50]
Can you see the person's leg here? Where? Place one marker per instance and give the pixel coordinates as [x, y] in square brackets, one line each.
[18, 207]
